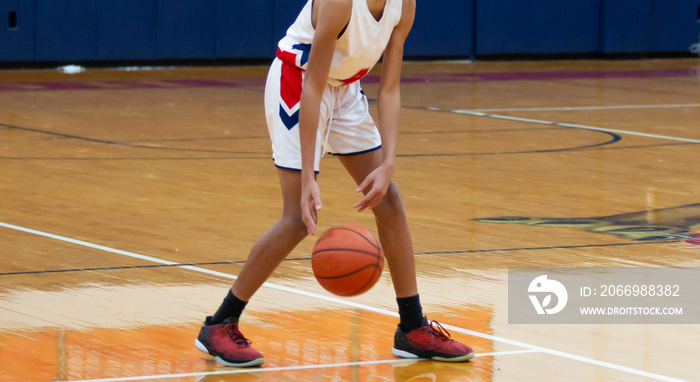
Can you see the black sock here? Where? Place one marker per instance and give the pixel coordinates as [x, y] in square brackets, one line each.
[411, 313]
[232, 307]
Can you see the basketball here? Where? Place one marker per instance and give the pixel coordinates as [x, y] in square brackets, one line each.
[347, 260]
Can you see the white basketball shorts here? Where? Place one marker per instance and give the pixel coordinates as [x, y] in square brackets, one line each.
[345, 126]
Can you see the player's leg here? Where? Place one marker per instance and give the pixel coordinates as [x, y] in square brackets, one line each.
[273, 246]
[354, 136]
[220, 335]
[392, 224]
[415, 336]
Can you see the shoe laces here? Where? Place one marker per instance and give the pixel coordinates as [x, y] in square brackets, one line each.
[236, 335]
[438, 331]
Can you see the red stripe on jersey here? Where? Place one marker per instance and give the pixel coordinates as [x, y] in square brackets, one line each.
[287, 57]
[291, 81]
[356, 77]
[290, 88]
[290, 84]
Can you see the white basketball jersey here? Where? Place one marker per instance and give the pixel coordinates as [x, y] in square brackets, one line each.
[356, 51]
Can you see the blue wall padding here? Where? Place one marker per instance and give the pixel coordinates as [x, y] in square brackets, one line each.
[89, 30]
[442, 28]
[537, 26]
[565, 26]
[66, 30]
[17, 42]
[186, 29]
[126, 29]
[627, 26]
[649, 25]
[244, 29]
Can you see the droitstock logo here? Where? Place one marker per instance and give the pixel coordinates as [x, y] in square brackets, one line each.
[547, 287]
[603, 295]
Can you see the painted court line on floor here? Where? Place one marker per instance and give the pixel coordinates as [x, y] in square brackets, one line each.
[572, 108]
[550, 123]
[285, 368]
[353, 304]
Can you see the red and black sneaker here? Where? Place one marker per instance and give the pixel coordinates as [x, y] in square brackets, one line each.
[430, 341]
[226, 343]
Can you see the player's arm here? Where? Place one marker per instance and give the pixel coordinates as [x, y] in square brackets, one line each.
[332, 17]
[389, 109]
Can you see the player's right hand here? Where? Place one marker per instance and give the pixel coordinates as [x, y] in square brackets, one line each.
[310, 204]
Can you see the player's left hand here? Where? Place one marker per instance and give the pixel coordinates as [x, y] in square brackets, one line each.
[374, 186]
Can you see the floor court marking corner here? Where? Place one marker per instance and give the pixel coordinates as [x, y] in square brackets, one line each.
[347, 303]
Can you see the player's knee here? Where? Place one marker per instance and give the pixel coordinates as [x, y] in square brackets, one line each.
[295, 227]
[391, 206]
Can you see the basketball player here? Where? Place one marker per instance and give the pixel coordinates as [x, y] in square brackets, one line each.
[314, 104]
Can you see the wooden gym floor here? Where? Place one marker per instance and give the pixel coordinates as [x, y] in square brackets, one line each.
[129, 200]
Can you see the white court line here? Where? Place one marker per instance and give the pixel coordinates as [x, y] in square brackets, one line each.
[592, 107]
[284, 368]
[353, 304]
[541, 122]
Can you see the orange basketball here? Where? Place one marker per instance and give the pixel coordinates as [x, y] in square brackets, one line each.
[347, 260]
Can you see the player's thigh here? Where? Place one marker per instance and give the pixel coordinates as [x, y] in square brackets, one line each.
[361, 165]
[290, 184]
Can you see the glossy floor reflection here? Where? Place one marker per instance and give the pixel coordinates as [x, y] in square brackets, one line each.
[130, 201]
[293, 341]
